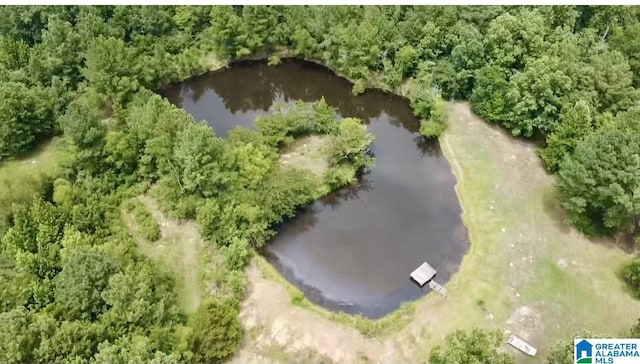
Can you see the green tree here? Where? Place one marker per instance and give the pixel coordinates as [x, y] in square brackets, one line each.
[217, 331]
[263, 28]
[140, 296]
[351, 144]
[599, 184]
[537, 95]
[14, 54]
[80, 284]
[26, 116]
[627, 40]
[575, 123]
[467, 56]
[563, 351]
[631, 275]
[133, 348]
[612, 81]
[303, 43]
[82, 124]
[227, 35]
[111, 68]
[634, 332]
[198, 154]
[237, 254]
[59, 54]
[474, 347]
[513, 39]
[72, 342]
[437, 123]
[407, 59]
[192, 19]
[21, 334]
[489, 97]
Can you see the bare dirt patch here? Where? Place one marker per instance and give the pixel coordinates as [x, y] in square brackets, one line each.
[268, 313]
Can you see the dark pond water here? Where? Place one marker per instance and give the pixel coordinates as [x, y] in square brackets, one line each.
[352, 251]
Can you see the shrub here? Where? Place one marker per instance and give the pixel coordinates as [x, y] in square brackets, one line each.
[208, 218]
[237, 254]
[340, 176]
[437, 123]
[217, 332]
[147, 225]
[474, 347]
[431, 129]
[631, 275]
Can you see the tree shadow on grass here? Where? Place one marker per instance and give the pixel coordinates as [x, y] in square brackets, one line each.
[554, 209]
[623, 241]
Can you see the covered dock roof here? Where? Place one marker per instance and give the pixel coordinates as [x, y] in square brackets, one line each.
[423, 274]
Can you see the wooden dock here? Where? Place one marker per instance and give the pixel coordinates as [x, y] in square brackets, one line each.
[424, 275]
[438, 288]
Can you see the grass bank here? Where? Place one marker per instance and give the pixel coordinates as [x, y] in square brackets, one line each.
[527, 272]
[535, 275]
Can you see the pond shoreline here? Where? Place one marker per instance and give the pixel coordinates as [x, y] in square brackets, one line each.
[430, 228]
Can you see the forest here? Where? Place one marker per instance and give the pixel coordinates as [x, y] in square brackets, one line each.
[73, 287]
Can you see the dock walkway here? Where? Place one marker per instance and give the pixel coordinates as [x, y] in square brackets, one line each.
[438, 288]
[424, 275]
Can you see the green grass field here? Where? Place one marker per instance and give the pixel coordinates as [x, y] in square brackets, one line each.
[44, 159]
[537, 276]
[20, 177]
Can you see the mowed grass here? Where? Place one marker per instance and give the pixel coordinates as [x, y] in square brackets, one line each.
[44, 159]
[535, 275]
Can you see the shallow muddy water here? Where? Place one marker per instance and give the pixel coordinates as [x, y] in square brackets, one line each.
[353, 250]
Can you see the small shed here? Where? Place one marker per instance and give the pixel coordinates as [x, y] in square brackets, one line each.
[423, 274]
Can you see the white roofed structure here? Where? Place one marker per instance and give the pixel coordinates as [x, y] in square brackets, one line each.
[423, 274]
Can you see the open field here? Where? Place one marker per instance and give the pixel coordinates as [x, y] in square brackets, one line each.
[44, 159]
[526, 272]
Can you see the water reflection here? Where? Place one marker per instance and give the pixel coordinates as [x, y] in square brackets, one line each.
[253, 86]
[353, 250]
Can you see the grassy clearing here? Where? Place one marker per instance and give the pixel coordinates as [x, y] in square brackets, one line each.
[43, 160]
[536, 275]
[21, 178]
[307, 153]
[179, 249]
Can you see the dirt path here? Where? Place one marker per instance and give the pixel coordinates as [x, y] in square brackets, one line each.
[178, 248]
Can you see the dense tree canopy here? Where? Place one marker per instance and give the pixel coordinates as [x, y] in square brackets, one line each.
[599, 183]
[72, 285]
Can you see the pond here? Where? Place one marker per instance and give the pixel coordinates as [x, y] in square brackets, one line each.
[353, 250]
